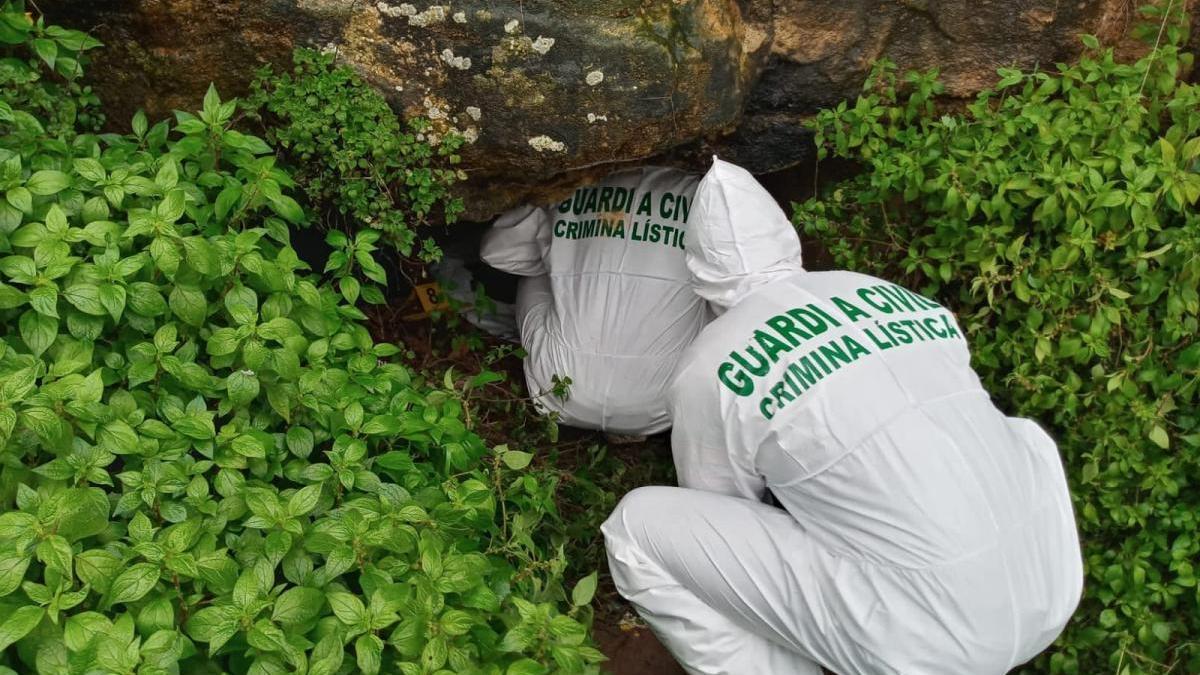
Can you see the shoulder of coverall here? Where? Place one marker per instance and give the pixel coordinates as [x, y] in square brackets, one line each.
[698, 362]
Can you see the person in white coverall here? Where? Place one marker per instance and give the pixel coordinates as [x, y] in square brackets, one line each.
[921, 530]
[607, 299]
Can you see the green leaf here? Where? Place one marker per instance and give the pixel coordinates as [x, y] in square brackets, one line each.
[167, 177]
[189, 305]
[44, 300]
[369, 650]
[19, 623]
[214, 625]
[300, 441]
[1159, 437]
[47, 50]
[304, 500]
[222, 342]
[12, 571]
[298, 605]
[118, 438]
[139, 124]
[242, 303]
[145, 299]
[86, 298]
[47, 182]
[134, 583]
[227, 200]
[10, 298]
[526, 667]
[83, 513]
[435, 653]
[456, 622]
[247, 589]
[15, 524]
[113, 298]
[212, 104]
[91, 169]
[327, 656]
[20, 198]
[82, 628]
[350, 289]
[98, 568]
[516, 460]
[288, 208]
[585, 590]
[347, 608]
[55, 553]
[38, 331]
[242, 386]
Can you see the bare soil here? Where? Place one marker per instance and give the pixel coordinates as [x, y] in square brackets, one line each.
[634, 651]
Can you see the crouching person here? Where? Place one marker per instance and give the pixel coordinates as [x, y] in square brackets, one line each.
[921, 530]
[606, 300]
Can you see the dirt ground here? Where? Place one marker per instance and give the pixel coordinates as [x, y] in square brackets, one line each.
[634, 652]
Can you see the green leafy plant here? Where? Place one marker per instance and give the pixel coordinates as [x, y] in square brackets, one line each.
[355, 155]
[1058, 216]
[206, 462]
[45, 77]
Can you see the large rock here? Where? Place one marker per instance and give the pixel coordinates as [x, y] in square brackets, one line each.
[822, 50]
[554, 90]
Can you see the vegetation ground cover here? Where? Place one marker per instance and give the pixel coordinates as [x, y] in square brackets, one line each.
[217, 459]
[1057, 214]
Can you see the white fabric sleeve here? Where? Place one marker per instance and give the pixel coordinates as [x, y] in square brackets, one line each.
[518, 241]
[703, 458]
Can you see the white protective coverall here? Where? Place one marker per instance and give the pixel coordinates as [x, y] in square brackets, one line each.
[607, 300]
[922, 531]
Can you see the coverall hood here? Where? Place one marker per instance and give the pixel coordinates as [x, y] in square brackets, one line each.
[740, 238]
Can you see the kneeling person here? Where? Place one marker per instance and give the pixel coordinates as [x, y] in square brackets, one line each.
[606, 300]
[921, 530]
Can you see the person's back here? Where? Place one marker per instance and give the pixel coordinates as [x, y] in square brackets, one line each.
[922, 532]
[854, 400]
[608, 303]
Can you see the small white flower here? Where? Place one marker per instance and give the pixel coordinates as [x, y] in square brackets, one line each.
[594, 78]
[460, 17]
[542, 44]
[511, 26]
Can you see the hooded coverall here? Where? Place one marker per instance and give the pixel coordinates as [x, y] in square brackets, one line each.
[607, 299]
[921, 530]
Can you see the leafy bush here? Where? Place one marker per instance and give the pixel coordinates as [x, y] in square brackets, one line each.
[53, 95]
[1058, 215]
[206, 463]
[354, 153]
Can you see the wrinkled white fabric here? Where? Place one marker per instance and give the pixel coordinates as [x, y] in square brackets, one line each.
[608, 300]
[922, 531]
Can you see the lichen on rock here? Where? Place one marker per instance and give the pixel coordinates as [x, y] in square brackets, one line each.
[600, 80]
[544, 143]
